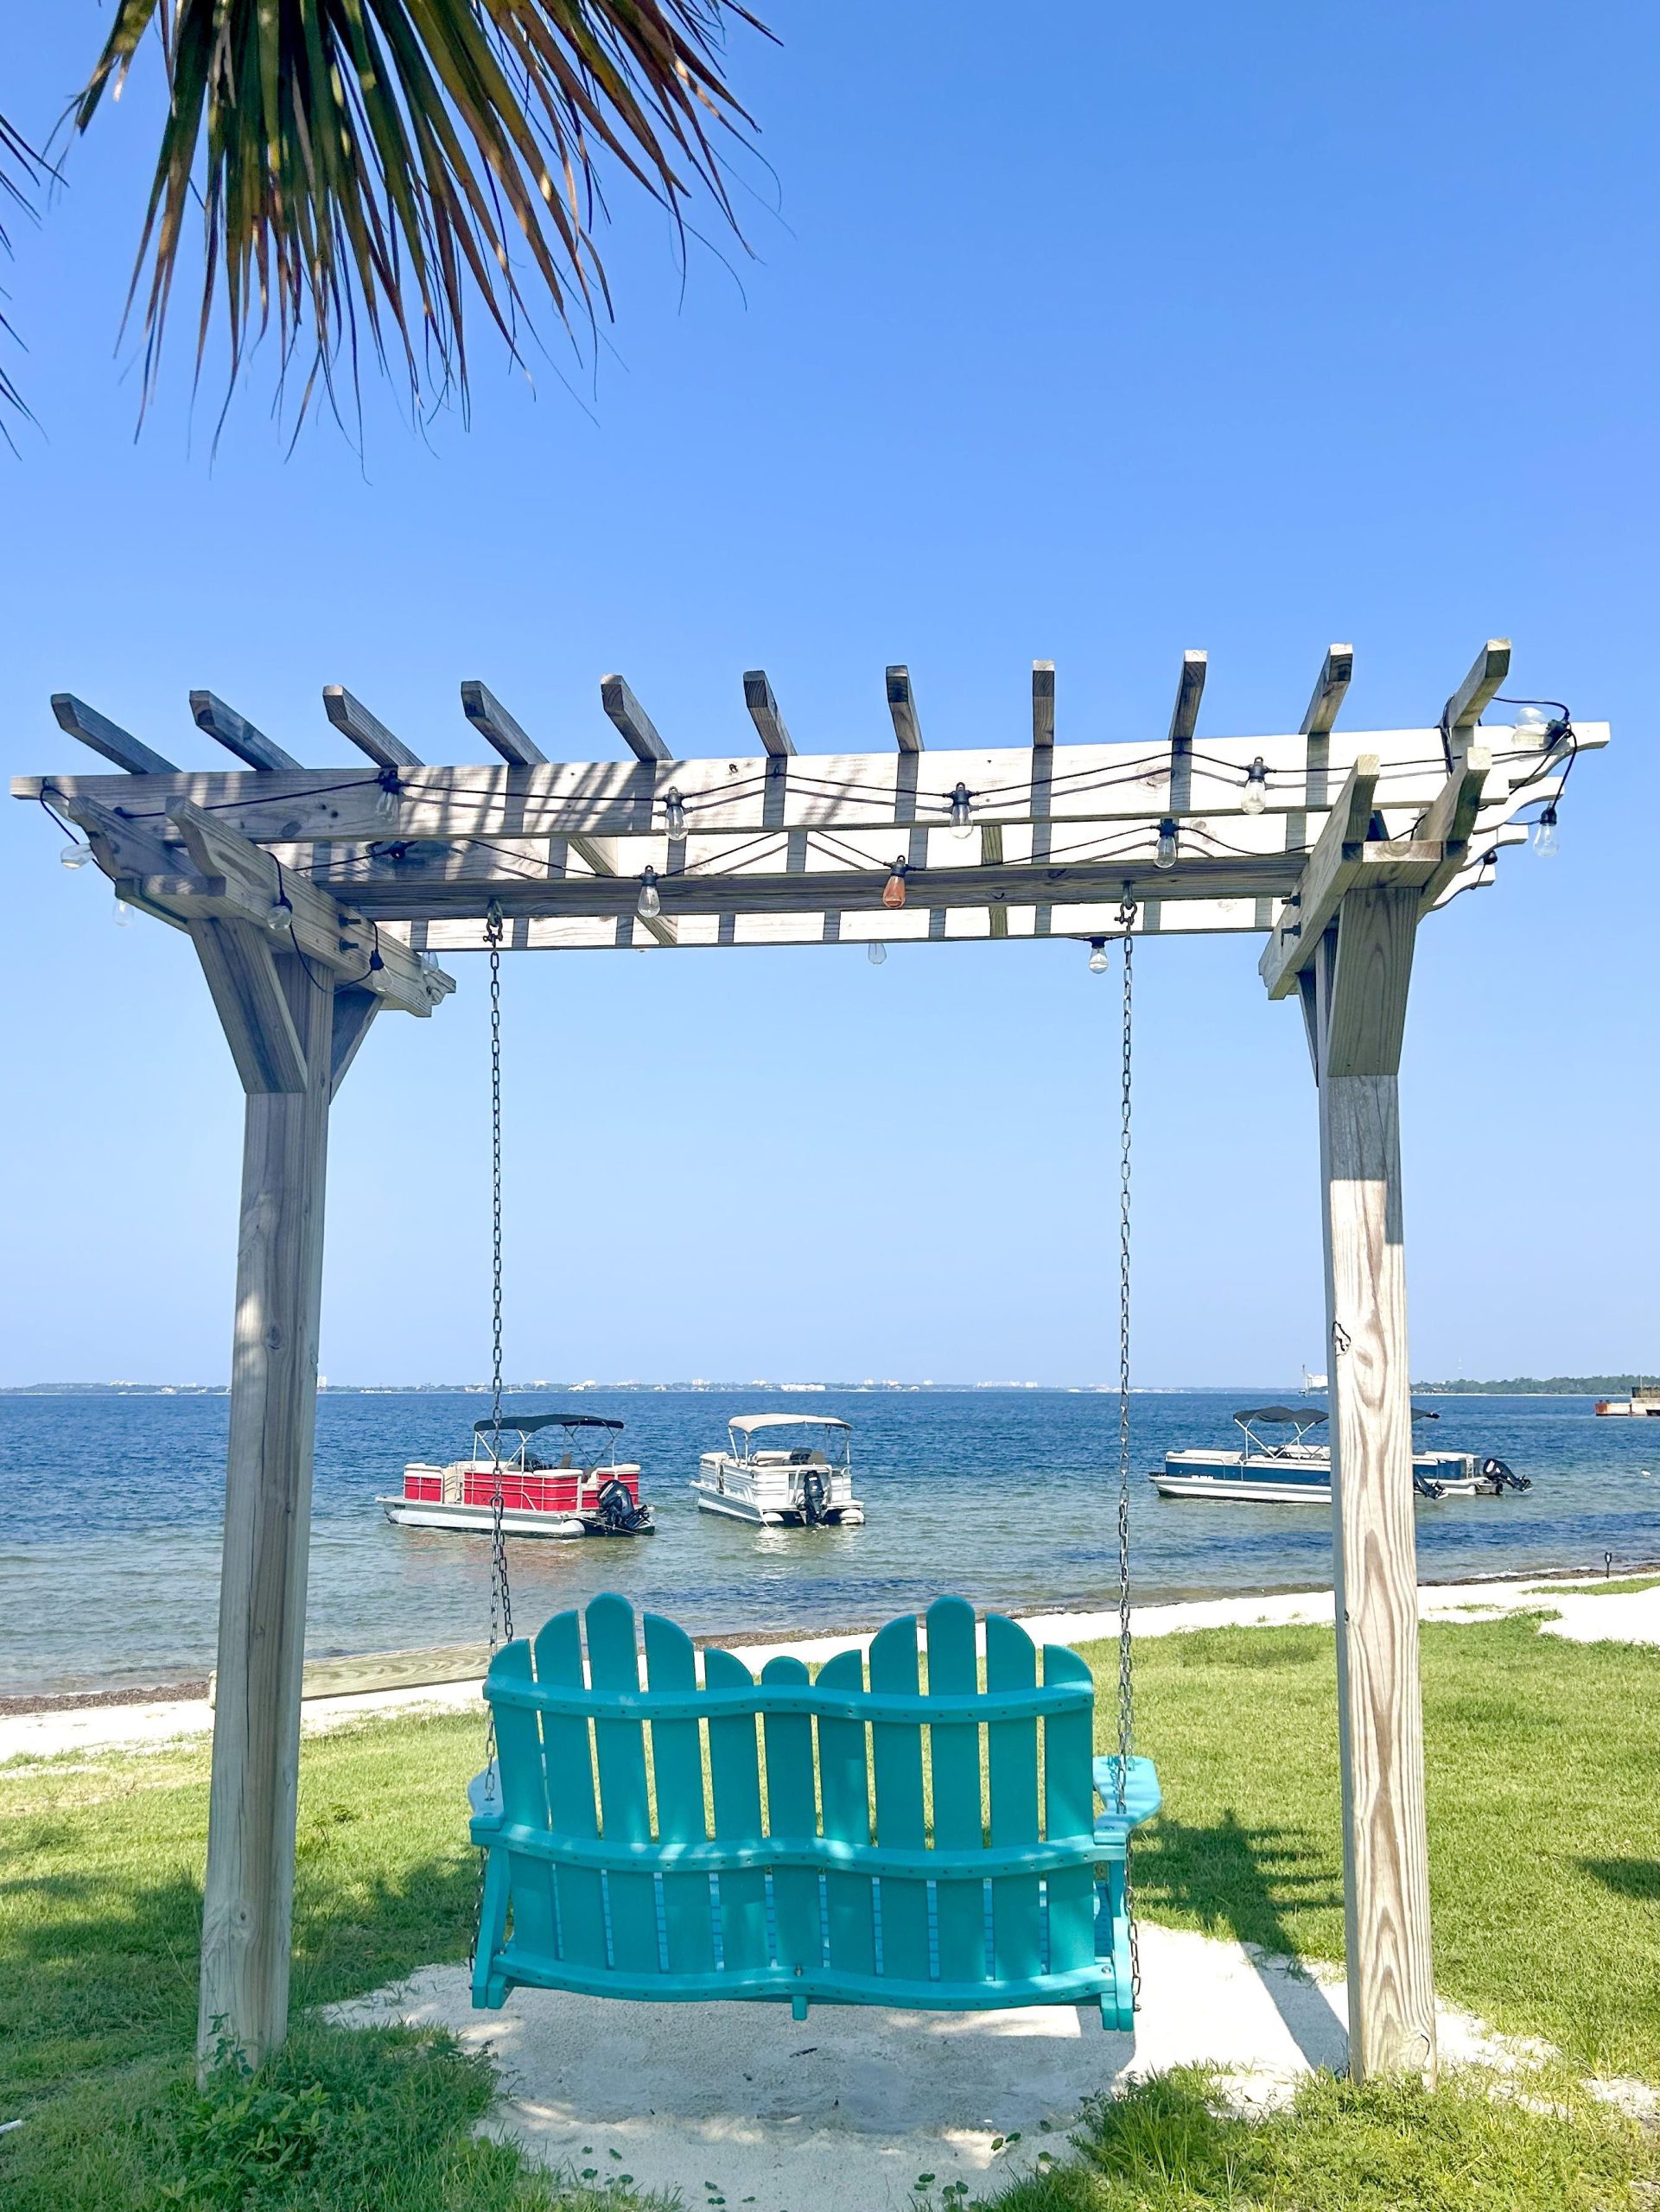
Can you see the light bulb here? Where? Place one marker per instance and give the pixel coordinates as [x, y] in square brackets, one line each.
[962, 822]
[75, 856]
[648, 905]
[1546, 842]
[674, 815]
[279, 915]
[893, 889]
[1098, 961]
[123, 915]
[1254, 798]
[386, 796]
[876, 953]
[1532, 726]
[1164, 856]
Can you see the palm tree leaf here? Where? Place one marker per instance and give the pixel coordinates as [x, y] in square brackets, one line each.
[394, 167]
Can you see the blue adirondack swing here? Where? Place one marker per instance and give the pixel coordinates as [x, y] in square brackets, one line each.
[801, 1865]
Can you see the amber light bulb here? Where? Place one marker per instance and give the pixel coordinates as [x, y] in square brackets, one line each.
[893, 889]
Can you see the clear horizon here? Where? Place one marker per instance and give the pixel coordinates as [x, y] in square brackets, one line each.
[1143, 333]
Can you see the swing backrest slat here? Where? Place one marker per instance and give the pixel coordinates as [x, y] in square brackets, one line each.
[865, 1837]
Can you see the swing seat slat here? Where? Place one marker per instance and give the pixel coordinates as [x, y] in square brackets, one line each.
[787, 1839]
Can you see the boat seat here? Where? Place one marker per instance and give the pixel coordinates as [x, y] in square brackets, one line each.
[596, 1883]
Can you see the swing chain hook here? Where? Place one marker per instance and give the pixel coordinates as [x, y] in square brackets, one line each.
[1126, 1689]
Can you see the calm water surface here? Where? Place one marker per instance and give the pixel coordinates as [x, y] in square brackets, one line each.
[109, 1544]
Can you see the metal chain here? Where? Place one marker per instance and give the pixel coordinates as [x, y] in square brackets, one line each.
[501, 1596]
[1126, 1688]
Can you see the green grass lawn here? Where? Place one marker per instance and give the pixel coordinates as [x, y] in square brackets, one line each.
[1545, 1864]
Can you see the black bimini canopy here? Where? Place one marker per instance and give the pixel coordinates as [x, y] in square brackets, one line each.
[1304, 1416]
[527, 1424]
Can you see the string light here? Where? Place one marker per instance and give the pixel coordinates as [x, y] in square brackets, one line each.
[386, 796]
[1165, 853]
[280, 915]
[893, 889]
[648, 905]
[1098, 961]
[123, 915]
[1546, 842]
[962, 820]
[1254, 798]
[75, 856]
[674, 814]
[875, 952]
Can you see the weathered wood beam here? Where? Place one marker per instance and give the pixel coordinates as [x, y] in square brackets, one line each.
[763, 711]
[638, 730]
[1337, 671]
[1332, 869]
[1184, 720]
[238, 881]
[1043, 702]
[1105, 783]
[238, 961]
[367, 731]
[493, 723]
[902, 706]
[238, 735]
[354, 1012]
[1358, 1007]
[1463, 711]
[409, 895]
[106, 737]
[1450, 820]
[125, 850]
[248, 1892]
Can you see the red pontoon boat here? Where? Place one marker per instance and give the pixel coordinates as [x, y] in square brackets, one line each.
[585, 1491]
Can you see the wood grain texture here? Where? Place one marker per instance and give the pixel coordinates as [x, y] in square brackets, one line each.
[108, 738]
[840, 790]
[902, 706]
[367, 731]
[1043, 705]
[493, 723]
[239, 965]
[1336, 673]
[1386, 1881]
[1487, 671]
[763, 711]
[238, 735]
[638, 730]
[248, 1894]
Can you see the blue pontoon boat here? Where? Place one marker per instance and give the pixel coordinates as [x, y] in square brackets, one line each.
[1292, 1470]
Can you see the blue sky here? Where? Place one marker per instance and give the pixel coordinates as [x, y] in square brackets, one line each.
[1085, 334]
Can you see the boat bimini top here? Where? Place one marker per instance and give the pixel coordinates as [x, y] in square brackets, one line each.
[1302, 1419]
[590, 1439]
[744, 1427]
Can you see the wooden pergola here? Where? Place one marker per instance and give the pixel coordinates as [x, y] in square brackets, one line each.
[316, 898]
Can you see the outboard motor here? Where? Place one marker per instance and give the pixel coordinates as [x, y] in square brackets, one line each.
[618, 1514]
[815, 1498]
[1503, 1477]
[1426, 1486]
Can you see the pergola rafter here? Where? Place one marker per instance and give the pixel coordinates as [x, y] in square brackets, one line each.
[316, 898]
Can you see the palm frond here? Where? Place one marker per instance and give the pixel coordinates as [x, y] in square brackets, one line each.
[21, 169]
[378, 168]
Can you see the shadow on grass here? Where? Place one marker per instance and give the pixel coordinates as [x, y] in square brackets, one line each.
[97, 1972]
[1250, 1883]
[1626, 1878]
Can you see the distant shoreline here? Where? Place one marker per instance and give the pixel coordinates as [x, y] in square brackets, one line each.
[1556, 1386]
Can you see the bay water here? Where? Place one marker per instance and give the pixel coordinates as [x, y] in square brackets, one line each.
[110, 1510]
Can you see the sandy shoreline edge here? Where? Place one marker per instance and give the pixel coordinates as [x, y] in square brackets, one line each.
[1585, 1615]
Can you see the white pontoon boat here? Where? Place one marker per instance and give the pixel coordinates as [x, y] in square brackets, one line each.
[805, 1482]
[1274, 1471]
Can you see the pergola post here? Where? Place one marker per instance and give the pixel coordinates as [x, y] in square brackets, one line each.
[1355, 994]
[247, 1907]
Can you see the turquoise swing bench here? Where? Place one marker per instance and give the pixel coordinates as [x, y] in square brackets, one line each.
[797, 1862]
